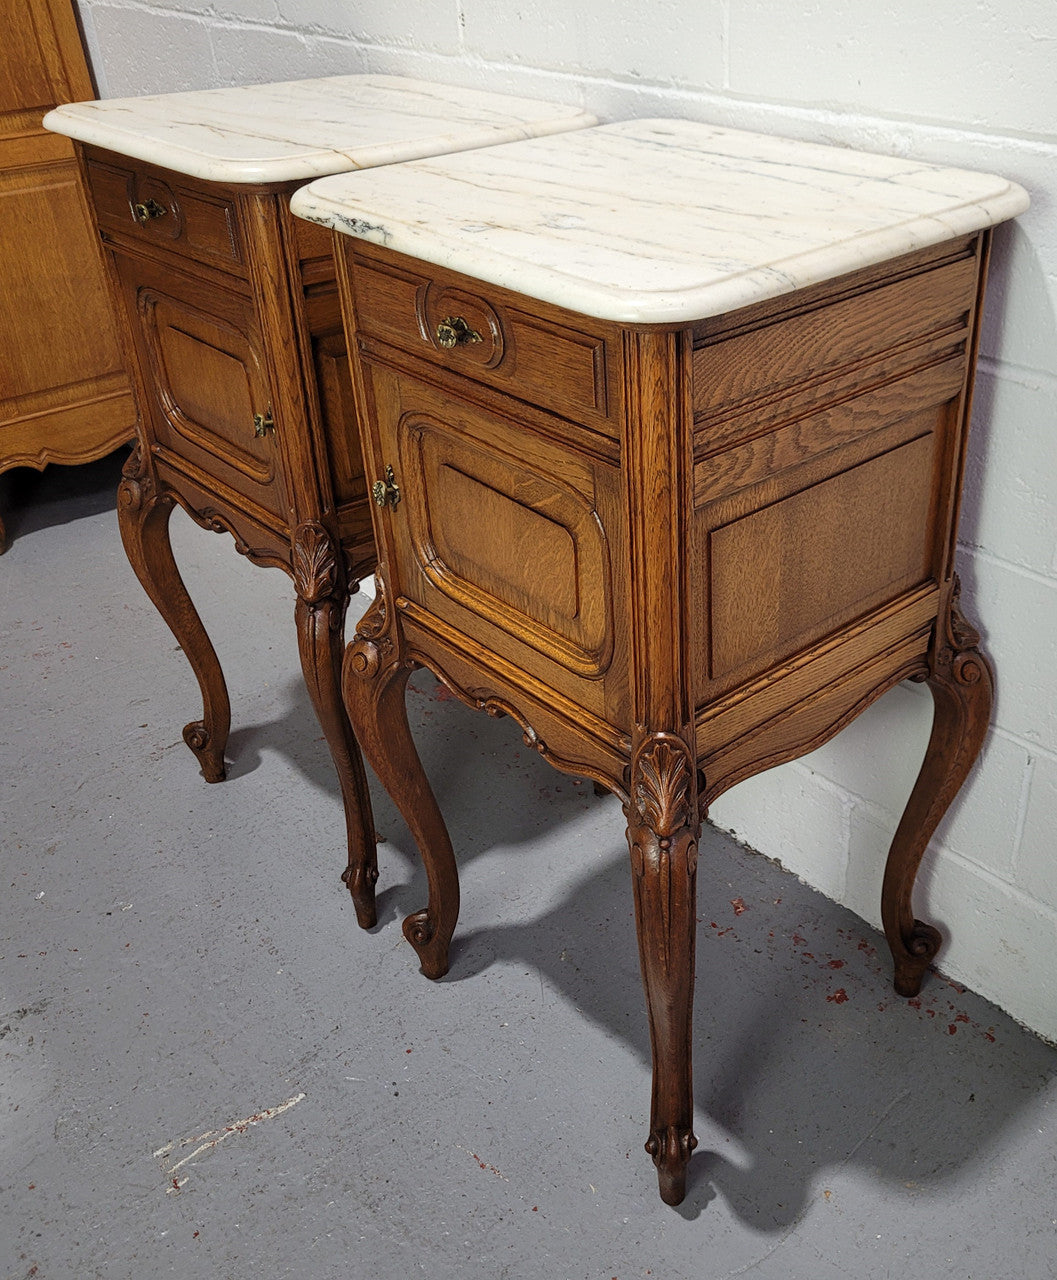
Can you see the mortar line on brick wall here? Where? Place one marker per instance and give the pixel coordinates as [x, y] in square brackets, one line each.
[1022, 375]
[960, 133]
[1032, 748]
[884, 819]
[460, 22]
[1014, 891]
[727, 101]
[1022, 816]
[1040, 579]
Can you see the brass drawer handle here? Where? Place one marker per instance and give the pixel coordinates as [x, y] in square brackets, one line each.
[452, 330]
[263, 423]
[146, 212]
[386, 492]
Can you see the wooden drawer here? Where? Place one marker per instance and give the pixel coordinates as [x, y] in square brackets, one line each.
[566, 364]
[154, 207]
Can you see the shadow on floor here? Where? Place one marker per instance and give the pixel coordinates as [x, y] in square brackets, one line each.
[31, 500]
[807, 1061]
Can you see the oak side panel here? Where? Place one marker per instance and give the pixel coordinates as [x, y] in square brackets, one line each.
[64, 396]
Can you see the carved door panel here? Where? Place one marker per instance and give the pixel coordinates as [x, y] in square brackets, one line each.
[210, 402]
[501, 534]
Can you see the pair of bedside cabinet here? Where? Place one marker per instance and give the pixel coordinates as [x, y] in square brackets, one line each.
[664, 426]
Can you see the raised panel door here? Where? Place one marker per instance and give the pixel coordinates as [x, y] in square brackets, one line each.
[503, 535]
[209, 399]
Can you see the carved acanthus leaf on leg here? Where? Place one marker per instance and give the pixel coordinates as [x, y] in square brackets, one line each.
[315, 563]
[663, 827]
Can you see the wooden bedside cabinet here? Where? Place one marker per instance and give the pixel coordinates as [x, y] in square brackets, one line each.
[666, 425]
[234, 340]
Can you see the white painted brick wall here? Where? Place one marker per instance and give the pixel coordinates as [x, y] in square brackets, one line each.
[948, 82]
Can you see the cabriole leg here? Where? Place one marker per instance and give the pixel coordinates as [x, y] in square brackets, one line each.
[319, 615]
[663, 830]
[374, 681]
[143, 518]
[962, 688]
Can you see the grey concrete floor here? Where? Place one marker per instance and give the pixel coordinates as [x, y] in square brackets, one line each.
[208, 1070]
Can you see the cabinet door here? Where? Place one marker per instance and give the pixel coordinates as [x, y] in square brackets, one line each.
[64, 395]
[501, 534]
[200, 349]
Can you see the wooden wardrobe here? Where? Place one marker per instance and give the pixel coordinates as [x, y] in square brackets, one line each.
[64, 396]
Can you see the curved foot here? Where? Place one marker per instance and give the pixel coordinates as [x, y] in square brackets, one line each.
[420, 929]
[962, 688]
[671, 1152]
[360, 882]
[210, 760]
[915, 951]
[143, 518]
[374, 679]
[319, 616]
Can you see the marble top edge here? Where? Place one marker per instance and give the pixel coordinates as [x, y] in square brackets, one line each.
[660, 221]
[298, 130]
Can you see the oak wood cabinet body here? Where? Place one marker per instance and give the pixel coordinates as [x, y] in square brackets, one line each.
[675, 554]
[233, 330]
[64, 395]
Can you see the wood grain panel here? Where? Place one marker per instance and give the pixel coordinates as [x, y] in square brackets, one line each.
[762, 362]
[508, 542]
[64, 395]
[790, 572]
[38, 210]
[331, 363]
[722, 474]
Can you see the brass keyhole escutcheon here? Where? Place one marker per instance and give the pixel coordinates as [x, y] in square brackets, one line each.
[149, 211]
[386, 493]
[263, 423]
[454, 330]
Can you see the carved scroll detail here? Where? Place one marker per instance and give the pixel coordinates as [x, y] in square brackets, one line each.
[137, 483]
[958, 651]
[370, 646]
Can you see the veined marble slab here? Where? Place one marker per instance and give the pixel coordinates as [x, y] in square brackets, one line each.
[659, 221]
[304, 128]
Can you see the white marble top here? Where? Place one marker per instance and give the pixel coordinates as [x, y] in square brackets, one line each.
[304, 128]
[659, 221]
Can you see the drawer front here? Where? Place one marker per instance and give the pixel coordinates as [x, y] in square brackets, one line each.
[500, 534]
[555, 360]
[163, 210]
[199, 353]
